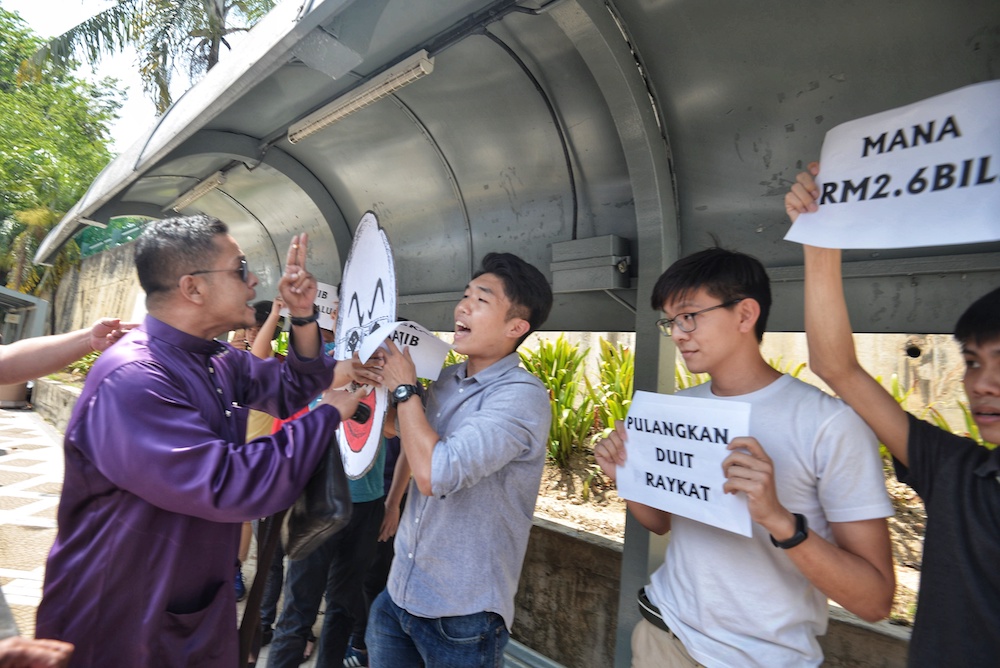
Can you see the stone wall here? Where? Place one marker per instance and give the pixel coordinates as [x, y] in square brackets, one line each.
[54, 401]
[104, 284]
[567, 600]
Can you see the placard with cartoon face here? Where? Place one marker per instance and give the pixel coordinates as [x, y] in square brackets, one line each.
[367, 308]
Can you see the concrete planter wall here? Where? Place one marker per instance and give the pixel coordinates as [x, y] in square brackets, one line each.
[54, 401]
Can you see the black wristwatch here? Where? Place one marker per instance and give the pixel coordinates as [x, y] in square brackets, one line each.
[299, 322]
[403, 392]
[801, 533]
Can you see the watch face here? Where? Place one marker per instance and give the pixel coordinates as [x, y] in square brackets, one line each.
[402, 393]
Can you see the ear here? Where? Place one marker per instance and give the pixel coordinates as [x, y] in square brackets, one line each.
[749, 311]
[516, 328]
[191, 289]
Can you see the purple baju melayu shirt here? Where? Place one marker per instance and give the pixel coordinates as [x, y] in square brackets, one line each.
[157, 483]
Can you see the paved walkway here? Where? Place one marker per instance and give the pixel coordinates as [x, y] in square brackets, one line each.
[31, 474]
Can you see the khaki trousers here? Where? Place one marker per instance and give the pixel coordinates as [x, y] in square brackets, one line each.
[655, 648]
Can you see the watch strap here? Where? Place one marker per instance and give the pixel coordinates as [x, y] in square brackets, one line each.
[298, 322]
[801, 533]
[410, 391]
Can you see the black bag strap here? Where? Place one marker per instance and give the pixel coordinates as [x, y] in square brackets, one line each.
[268, 535]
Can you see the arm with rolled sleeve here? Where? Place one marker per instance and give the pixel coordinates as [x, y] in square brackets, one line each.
[501, 429]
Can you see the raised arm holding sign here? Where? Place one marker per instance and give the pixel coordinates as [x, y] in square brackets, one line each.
[958, 611]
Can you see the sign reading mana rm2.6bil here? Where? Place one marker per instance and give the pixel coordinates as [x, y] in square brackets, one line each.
[927, 174]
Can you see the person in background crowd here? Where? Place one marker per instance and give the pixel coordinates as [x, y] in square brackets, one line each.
[334, 572]
[396, 479]
[265, 330]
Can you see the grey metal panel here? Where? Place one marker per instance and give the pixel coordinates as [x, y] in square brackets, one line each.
[748, 90]
[382, 161]
[603, 189]
[295, 89]
[918, 295]
[509, 170]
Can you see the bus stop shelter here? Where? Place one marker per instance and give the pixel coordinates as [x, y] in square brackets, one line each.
[598, 139]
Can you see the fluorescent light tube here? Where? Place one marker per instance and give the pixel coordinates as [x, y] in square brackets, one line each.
[383, 85]
[198, 191]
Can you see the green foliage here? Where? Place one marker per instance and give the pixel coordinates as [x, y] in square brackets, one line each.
[684, 379]
[82, 366]
[612, 395]
[168, 35]
[453, 358]
[560, 367]
[119, 231]
[900, 394]
[54, 136]
[792, 369]
[971, 429]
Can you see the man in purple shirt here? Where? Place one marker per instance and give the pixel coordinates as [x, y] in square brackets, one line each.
[158, 478]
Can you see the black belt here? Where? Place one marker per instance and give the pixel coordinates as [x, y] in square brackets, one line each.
[652, 613]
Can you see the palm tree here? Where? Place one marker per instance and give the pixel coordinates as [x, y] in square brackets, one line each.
[23, 239]
[166, 34]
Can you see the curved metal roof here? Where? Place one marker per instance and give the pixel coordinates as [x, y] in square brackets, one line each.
[586, 136]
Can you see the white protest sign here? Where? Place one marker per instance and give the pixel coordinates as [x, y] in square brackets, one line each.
[428, 351]
[368, 290]
[927, 174]
[676, 446]
[326, 301]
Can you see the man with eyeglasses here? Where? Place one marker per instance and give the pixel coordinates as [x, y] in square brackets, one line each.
[811, 474]
[158, 477]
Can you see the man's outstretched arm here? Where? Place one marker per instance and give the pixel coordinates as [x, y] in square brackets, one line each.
[41, 355]
[832, 356]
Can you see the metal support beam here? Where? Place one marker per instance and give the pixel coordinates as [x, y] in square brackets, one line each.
[600, 40]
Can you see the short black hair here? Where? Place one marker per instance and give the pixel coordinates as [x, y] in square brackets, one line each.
[261, 310]
[525, 286]
[169, 248]
[981, 321]
[724, 274]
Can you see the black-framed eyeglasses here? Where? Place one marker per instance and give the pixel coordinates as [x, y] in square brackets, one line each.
[685, 321]
[243, 271]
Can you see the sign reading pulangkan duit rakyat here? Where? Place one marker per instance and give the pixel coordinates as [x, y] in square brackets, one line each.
[675, 447]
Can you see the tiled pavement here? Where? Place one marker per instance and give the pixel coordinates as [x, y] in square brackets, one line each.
[31, 473]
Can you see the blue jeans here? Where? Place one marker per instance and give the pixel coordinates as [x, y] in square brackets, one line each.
[397, 639]
[337, 570]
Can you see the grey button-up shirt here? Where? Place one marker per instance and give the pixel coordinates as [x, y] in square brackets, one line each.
[460, 551]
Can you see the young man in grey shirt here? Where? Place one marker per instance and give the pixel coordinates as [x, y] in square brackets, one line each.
[476, 445]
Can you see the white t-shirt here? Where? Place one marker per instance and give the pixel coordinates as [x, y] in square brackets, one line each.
[738, 601]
